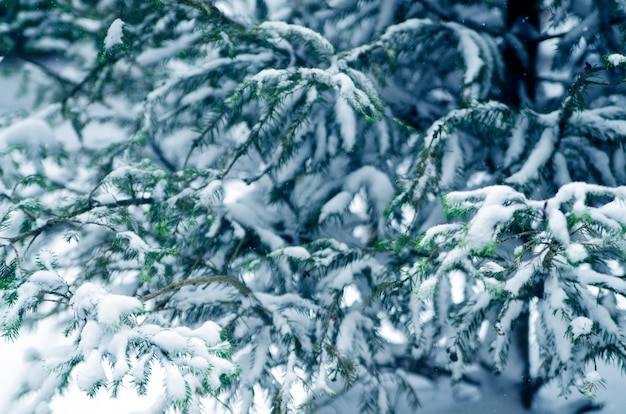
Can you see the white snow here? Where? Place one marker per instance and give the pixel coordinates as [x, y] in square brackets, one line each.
[114, 34]
[112, 307]
[347, 123]
[283, 29]
[379, 188]
[517, 141]
[561, 172]
[47, 280]
[521, 277]
[452, 160]
[175, 385]
[91, 372]
[470, 51]
[537, 158]
[581, 326]
[170, 340]
[496, 208]
[615, 59]
[557, 223]
[576, 252]
[296, 252]
[593, 377]
[405, 26]
[209, 332]
[336, 205]
[31, 133]
[348, 332]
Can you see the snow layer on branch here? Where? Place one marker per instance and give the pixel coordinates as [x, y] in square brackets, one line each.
[556, 328]
[114, 34]
[590, 120]
[406, 26]
[296, 252]
[581, 326]
[92, 372]
[537, 158]
[496, 208]
[521, 277]
[336, 205]
[470, 51]
[31, 133]
[48, 280]
[170, 341]
[108, 308]
[557, 223]
[319, 42]
[175, 385]
[347, 123]
[452, 160]
[518, 139]
[154, 55]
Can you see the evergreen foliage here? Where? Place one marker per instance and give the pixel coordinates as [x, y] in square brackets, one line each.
[249, 194]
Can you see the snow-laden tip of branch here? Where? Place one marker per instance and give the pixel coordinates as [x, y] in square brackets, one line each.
[581, 326]
[496, 207]
[114, 34]
[282, 29]
[615, 59]
[410, 25]
[469, 48]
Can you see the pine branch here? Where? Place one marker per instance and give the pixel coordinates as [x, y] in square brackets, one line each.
[66, 218]
[205, 280]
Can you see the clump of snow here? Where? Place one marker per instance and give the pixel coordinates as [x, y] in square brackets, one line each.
[175, 384]
[576, 252]
[426, 289]
[107, 308]
[114, 34]
[336, 205]
[581, 326]
[47, 279]
[92, 373]
[615, 59]
[171, 341]
[112, 307]
[557, 223]
[593, 377]
[209, 332]
[295, 252]
[31, 133]
[498, 206]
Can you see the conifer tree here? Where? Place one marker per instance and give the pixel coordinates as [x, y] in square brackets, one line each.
[249, 195]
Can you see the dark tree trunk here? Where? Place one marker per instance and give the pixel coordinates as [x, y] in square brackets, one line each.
[520, 52]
